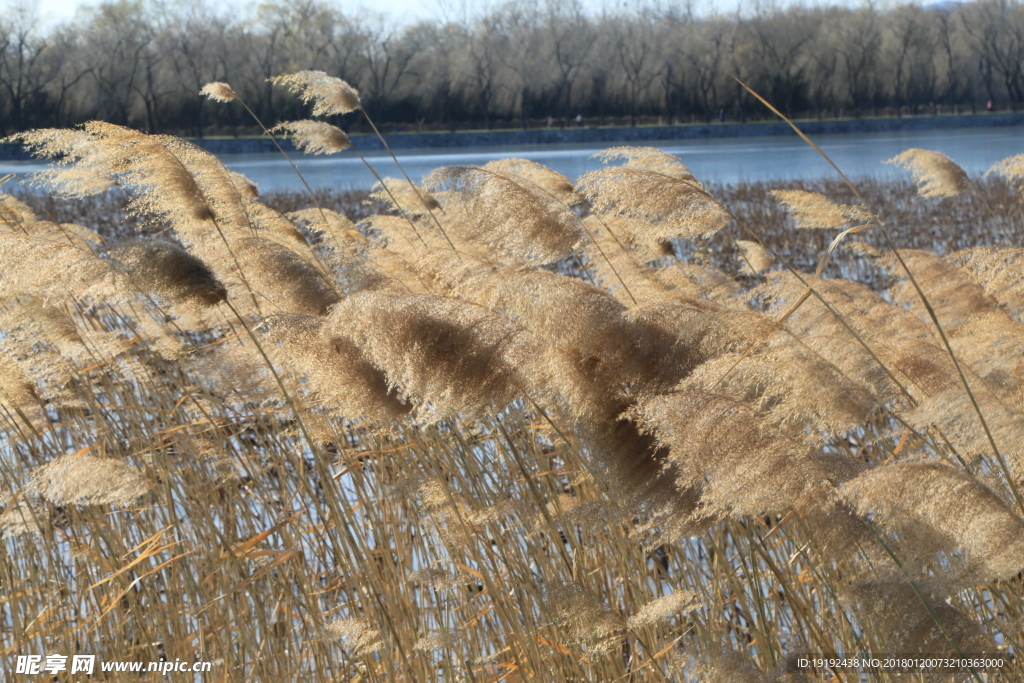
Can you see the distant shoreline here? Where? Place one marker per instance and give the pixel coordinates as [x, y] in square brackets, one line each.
[639, 134]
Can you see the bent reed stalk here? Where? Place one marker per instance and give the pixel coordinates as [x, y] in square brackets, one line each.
[528, 445]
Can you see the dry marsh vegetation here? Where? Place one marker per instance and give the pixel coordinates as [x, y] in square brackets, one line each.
[509, 427]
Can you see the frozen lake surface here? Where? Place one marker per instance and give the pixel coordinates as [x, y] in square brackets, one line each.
[720, 160]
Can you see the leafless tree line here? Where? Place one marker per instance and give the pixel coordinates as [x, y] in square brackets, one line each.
[142, 64]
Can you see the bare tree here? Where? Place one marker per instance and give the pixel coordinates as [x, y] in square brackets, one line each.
[517, 25]
[857, 39]
[996, 30]
[386, 60]
[569, 39]
[635, 49]
[483, 66]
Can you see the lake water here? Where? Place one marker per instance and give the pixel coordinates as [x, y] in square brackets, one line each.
[722, 160]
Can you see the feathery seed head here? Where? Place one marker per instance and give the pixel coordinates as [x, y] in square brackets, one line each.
[400, 194]
[169, 272]
[88, 480]
[246, 188]
[755, 257]
[1011, 168]
[282, 277]
[162, 183]
[338, 375]
[717, 444]
[552, 182]
[664, 608]
[509, 214]
[935, 174]
[584, 616]
[958, 511]
[674, 208]
[219, 92]
[83, 167]
[447, 357]
[358, 634]
[814, 210]
[21, 514]
[649, 159]
[329, 95]
[314, 137]
[894, 611]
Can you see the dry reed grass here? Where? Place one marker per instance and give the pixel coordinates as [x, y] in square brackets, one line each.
[306, 449]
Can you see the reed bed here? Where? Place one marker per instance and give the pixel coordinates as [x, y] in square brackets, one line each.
[504, 426]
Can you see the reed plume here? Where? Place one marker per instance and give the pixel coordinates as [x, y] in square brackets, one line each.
[314, 137]
[83, 166]
[445, 357]
[663, 608]
[649, 159]
[88, 480]
[936, 174]
[815, 210]
[939, 510]
[219, 92]
[674, 208]
[892, 611]
[169, 272]
[716, 445]
[451, 453]
[401, 195]
[338, 375]
[552, 182]
[755, 257]
[282, 278]
[328, 94]
[999, 270]
[512, 216]
[357, 633]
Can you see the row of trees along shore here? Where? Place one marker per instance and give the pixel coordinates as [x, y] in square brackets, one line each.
[143, 63]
